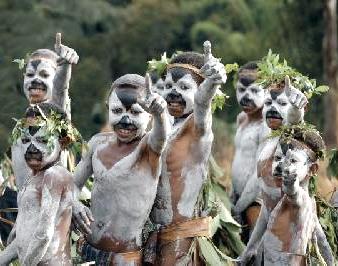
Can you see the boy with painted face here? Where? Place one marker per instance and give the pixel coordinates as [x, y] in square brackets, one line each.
[190, 85]
[126, 166]
[46, 79]
[250, 97]
[293, 222]
[283, 106]
[45, 200]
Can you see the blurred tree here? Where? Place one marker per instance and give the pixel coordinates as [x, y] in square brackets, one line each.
[330, 72]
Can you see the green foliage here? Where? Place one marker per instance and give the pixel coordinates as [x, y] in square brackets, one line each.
[159, 66]
[53, 125]
[272, 71]
[288, 132]
[328, 218]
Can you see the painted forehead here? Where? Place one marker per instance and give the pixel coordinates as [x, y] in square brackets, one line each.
[40, 62]
[274, 93]
[126, 95]
[175, 74]
[247, 76]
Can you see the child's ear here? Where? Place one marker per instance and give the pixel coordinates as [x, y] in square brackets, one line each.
[314, 168]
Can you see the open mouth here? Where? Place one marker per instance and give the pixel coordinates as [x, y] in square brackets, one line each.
[37, 92]
[125, 130]
[33, 159]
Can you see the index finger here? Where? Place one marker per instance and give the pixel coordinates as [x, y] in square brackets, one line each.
[287, 86]
[58, 39]
[207, 50]
[148, 85]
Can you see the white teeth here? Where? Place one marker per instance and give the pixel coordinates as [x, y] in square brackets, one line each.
[174, 104]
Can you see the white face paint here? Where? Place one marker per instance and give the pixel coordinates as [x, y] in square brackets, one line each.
[278, 160]
[275, 109]
[135, 116]
[296, 163]
[184, 89]
[159, 87]
[250, 97]
[38, 80]
[37, 143]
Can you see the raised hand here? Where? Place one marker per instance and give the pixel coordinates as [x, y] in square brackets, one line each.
[296, 97]
[151, 102]
[65, 53]
[213, 69]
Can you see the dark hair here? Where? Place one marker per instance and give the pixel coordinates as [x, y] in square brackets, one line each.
[190, 58]
[252, 65]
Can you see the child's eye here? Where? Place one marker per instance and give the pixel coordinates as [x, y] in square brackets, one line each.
[241, 89]
[184, 87]
[278, 158]
[293, 160]
[283, 103]
[117, 110]
[25, 140]
[135, 112]
[268, 102]
[168, 86]
[42, 140]
[44, 75]
[254, 90]
[30, 75]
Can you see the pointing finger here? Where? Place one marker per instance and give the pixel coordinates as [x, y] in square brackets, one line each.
[287, 87]
[148, 85]
[207, 51]
[58, 42]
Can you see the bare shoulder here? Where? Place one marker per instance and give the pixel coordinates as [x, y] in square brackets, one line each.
[241, 118]
[58, 176]
[102, 137]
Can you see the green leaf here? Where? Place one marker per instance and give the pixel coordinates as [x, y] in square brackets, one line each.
[21, 62]
[211, 254]
[322, 88]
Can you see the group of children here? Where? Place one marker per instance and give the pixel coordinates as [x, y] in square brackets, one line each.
[153, 164]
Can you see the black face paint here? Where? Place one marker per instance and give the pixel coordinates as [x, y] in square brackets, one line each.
[33, 129]
[33, 153]
[246, 101]
[273, 113]
[127, 96]
[246, 81]
[38, 84]
[175, 97]
[275, 93]
[125, 123]
[278, 170]
[35, 63]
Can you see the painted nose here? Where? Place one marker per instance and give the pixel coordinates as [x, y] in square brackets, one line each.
[32, 149]
[37, 82]
[278, 168]
[125, 120]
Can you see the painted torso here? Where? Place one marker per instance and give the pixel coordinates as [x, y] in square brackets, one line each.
[125, 182]
[184, 170]
[289, 229]
[29, 206]
[247, 140]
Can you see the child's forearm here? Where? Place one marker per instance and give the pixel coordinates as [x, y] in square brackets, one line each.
[9, 254]
[158, 135]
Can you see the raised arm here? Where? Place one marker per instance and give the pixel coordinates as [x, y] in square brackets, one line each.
[154, 104]
[215, 75]
[67, 57]
[298, 101]
[44, 231]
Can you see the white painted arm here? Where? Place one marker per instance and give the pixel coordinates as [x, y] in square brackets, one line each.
[256, 236]
[154, 104]
[44, 230]
[82, 214]
[20, 168]
[215, 75]
[8, 254]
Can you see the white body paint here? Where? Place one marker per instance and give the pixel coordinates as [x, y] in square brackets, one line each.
[122, 196]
